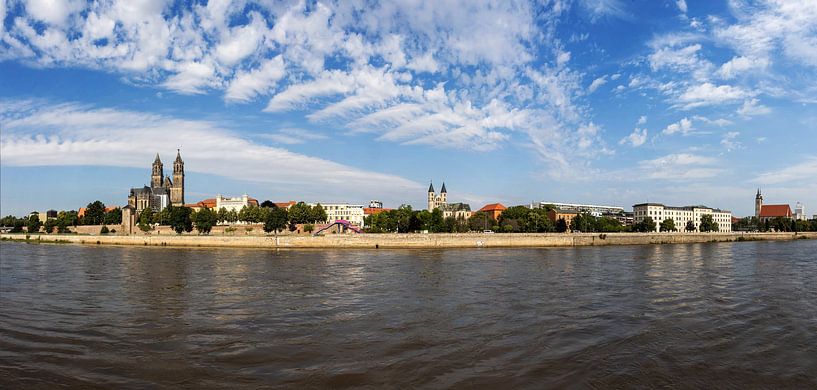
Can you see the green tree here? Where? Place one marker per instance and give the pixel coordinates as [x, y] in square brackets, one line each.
[480, 221]
[268, 204]
[299, 213]
[583, 222]
[667, 225]
[222, 214]
[404, 219]
[645, 226]
[561, 225]
[179, 219]
[276, 220]
[204, 220]
[49, 225]
[232, 216]
[708, 224]
[690, 227]
[608, 225]
[308, 228]
[33, 224]
[437, 223]
[317, 214]
[104, 230]
[95, 213]
[146, 220]
[113, 217]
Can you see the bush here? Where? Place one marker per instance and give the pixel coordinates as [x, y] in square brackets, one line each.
[113, 230]
[308, 228]
[104, 230]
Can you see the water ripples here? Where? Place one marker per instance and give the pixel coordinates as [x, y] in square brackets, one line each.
[730, 315]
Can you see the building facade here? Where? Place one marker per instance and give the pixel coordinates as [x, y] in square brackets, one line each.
[434, 200]
[342, 211]
[594, 210]
[494, 210]
[765, 212]
[234, 204]
[163, 190]
[681, 215]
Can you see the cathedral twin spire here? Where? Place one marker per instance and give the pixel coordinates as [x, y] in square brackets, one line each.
[174, 186]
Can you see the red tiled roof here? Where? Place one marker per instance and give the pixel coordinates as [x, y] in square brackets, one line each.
[493, 207]
[209, 203]
[252, 201]
[775, 210]
[373, 211]
[284, 205]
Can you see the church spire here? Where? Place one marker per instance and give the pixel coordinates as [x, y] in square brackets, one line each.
[443, 191]
[178, 156]
[157, 160]
[430, 186]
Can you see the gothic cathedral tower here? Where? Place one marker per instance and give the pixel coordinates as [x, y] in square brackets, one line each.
[157, 174]
[431, 197]
[177, 190]
[758, 203]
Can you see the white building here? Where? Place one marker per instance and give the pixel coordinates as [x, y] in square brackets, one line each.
[342, 211]
[594, 210]
[800, 212]
[235, 204]
[681, 215]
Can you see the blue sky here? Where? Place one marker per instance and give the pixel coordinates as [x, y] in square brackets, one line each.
[605, 102]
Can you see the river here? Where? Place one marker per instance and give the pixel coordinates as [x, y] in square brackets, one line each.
[715, 315]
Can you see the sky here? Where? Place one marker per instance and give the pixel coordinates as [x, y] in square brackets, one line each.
[607, 102]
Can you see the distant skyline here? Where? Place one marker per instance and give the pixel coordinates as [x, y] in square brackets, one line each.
[588, 101]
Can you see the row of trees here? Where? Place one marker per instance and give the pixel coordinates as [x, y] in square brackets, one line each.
[779, 224]
[95, 214]
[518, 219]
[275, 219]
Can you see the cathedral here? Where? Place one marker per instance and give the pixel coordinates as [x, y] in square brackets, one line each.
[162, 191]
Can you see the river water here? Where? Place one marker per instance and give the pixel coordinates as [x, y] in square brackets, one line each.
[716, 315]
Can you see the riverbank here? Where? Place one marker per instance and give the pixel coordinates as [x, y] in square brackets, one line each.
[439, 240]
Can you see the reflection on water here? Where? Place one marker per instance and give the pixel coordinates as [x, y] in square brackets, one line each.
[703, 315]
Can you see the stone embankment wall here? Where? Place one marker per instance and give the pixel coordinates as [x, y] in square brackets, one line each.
[469, 240]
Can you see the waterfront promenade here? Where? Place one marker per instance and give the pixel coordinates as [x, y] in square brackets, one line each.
[435, 240]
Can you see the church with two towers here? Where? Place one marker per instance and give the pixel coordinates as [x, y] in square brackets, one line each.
[163, 191]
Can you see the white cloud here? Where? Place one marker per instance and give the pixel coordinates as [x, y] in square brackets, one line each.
[738, 66]
[604, 8]
[248, 84]
[241, 41]
[293, 136]
[596, 84]
[684, 126]
[636, 138]
[752, 107]
[720, 122]
[55, 12]
[728, 141]
[794, 174]
[766, 28]
[642, 120]
[708, 94]
[682, 6]
[679, 166]
[70, 134]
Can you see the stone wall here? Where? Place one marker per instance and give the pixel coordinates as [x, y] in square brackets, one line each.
[465, 240]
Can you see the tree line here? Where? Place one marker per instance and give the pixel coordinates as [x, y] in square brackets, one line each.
[517, 219]
[95, 214]
[274, 219]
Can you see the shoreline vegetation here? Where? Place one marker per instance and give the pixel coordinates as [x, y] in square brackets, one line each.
[410, 240]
